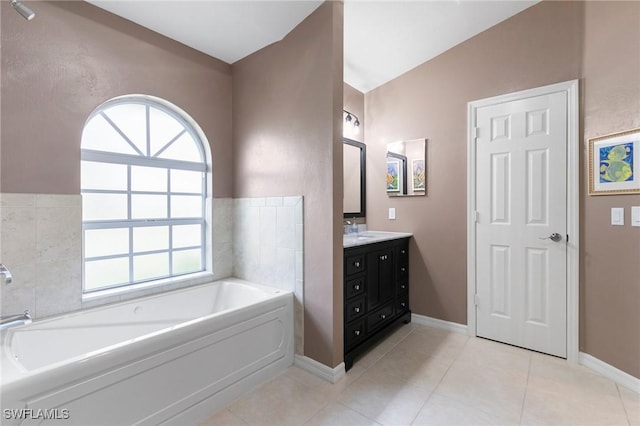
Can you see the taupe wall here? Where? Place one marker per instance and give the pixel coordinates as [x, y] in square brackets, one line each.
[287, 137]
[353, 101]
[610, 288]
[547, 43]
[72, 57]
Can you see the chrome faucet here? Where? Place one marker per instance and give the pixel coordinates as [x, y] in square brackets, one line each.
[14, 320]
[4, 272]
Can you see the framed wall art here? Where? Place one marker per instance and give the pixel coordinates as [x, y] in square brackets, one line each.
[419, 174]
[614, 163]
[393, 172]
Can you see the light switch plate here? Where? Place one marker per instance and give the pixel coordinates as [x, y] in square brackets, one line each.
[635, 216]
[617, 216]
[392, 213]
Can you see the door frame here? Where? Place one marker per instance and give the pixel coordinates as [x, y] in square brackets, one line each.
[573, 204]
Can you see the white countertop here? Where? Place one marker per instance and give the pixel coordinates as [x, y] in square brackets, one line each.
[370, 237]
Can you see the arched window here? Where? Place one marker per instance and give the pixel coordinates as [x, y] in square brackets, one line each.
[143, 184]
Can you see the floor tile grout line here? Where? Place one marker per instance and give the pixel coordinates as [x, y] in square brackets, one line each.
[362, 414]
[526, 390]
[624, 407]
[367, 369]
[440, 381]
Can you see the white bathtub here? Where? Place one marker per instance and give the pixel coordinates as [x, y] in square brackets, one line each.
[166, 359]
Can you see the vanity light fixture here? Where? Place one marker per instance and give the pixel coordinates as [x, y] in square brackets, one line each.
[23, 10]
[351, 120]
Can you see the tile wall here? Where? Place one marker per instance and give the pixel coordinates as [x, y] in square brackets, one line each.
[41, 243]
[268, 247]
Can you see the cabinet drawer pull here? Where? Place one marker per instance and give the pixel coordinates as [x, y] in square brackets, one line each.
[356, 332]
[356, 310]
[356, 264]
[403, 251]
[403, 269]
[384, 257]
[402, 286]
[403, 304]
[383, 316]
[356, 287]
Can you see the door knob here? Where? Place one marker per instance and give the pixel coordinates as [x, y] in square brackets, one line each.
[555, 237]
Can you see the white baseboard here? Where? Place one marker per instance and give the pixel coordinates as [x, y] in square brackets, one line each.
[332, 375]
[610, 372]
[438, 323]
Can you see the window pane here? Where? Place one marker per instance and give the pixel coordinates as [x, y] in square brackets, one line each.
[187, 236]
[163, 128]
[186, 206]
[186, 181]
[104, 207]
[108, 272]
[150, 238]
[150, 266]
[99, 135]
[148, 206]
[131, 119]
[184, 148]
[106, 242]
[185, 261]
[96, 175]
[148, 179]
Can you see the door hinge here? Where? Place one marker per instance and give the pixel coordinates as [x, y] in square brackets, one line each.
[474, 132]
[567, 237]
[476, 216]
[476, 299]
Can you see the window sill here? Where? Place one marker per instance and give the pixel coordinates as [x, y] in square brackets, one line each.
[145, 289]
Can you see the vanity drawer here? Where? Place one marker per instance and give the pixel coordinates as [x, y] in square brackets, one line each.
[354, 309]
[354, 264]
[354, 333]
[380, 317]
[355, 287]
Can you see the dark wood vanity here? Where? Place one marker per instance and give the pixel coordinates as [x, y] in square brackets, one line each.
[376, 293]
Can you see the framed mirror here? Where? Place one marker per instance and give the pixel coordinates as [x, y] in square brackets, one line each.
[354, 164]
[406, 168]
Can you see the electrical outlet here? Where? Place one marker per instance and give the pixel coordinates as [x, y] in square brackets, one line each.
[392, 213]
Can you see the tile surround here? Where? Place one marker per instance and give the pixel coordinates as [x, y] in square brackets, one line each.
[258, 239]
[41, 244]
[268, 247]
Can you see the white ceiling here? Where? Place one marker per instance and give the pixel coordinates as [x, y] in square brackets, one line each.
[382, 39]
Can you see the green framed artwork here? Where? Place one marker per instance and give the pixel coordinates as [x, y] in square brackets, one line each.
[614, 163]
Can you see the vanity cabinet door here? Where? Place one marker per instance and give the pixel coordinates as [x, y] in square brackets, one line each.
[380, 277]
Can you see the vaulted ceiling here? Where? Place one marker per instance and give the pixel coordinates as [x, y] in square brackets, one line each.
[382, 39]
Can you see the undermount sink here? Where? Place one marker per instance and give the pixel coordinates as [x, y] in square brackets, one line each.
[366, 237]
[357, 237]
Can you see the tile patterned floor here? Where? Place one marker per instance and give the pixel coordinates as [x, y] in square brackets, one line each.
[425, 376]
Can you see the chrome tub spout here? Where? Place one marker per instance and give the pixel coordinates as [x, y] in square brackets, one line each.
[15, 320]
[4, 272]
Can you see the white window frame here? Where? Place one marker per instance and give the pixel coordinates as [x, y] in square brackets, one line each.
[147, 160]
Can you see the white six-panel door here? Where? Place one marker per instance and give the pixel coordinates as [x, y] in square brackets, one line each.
[521, 190]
